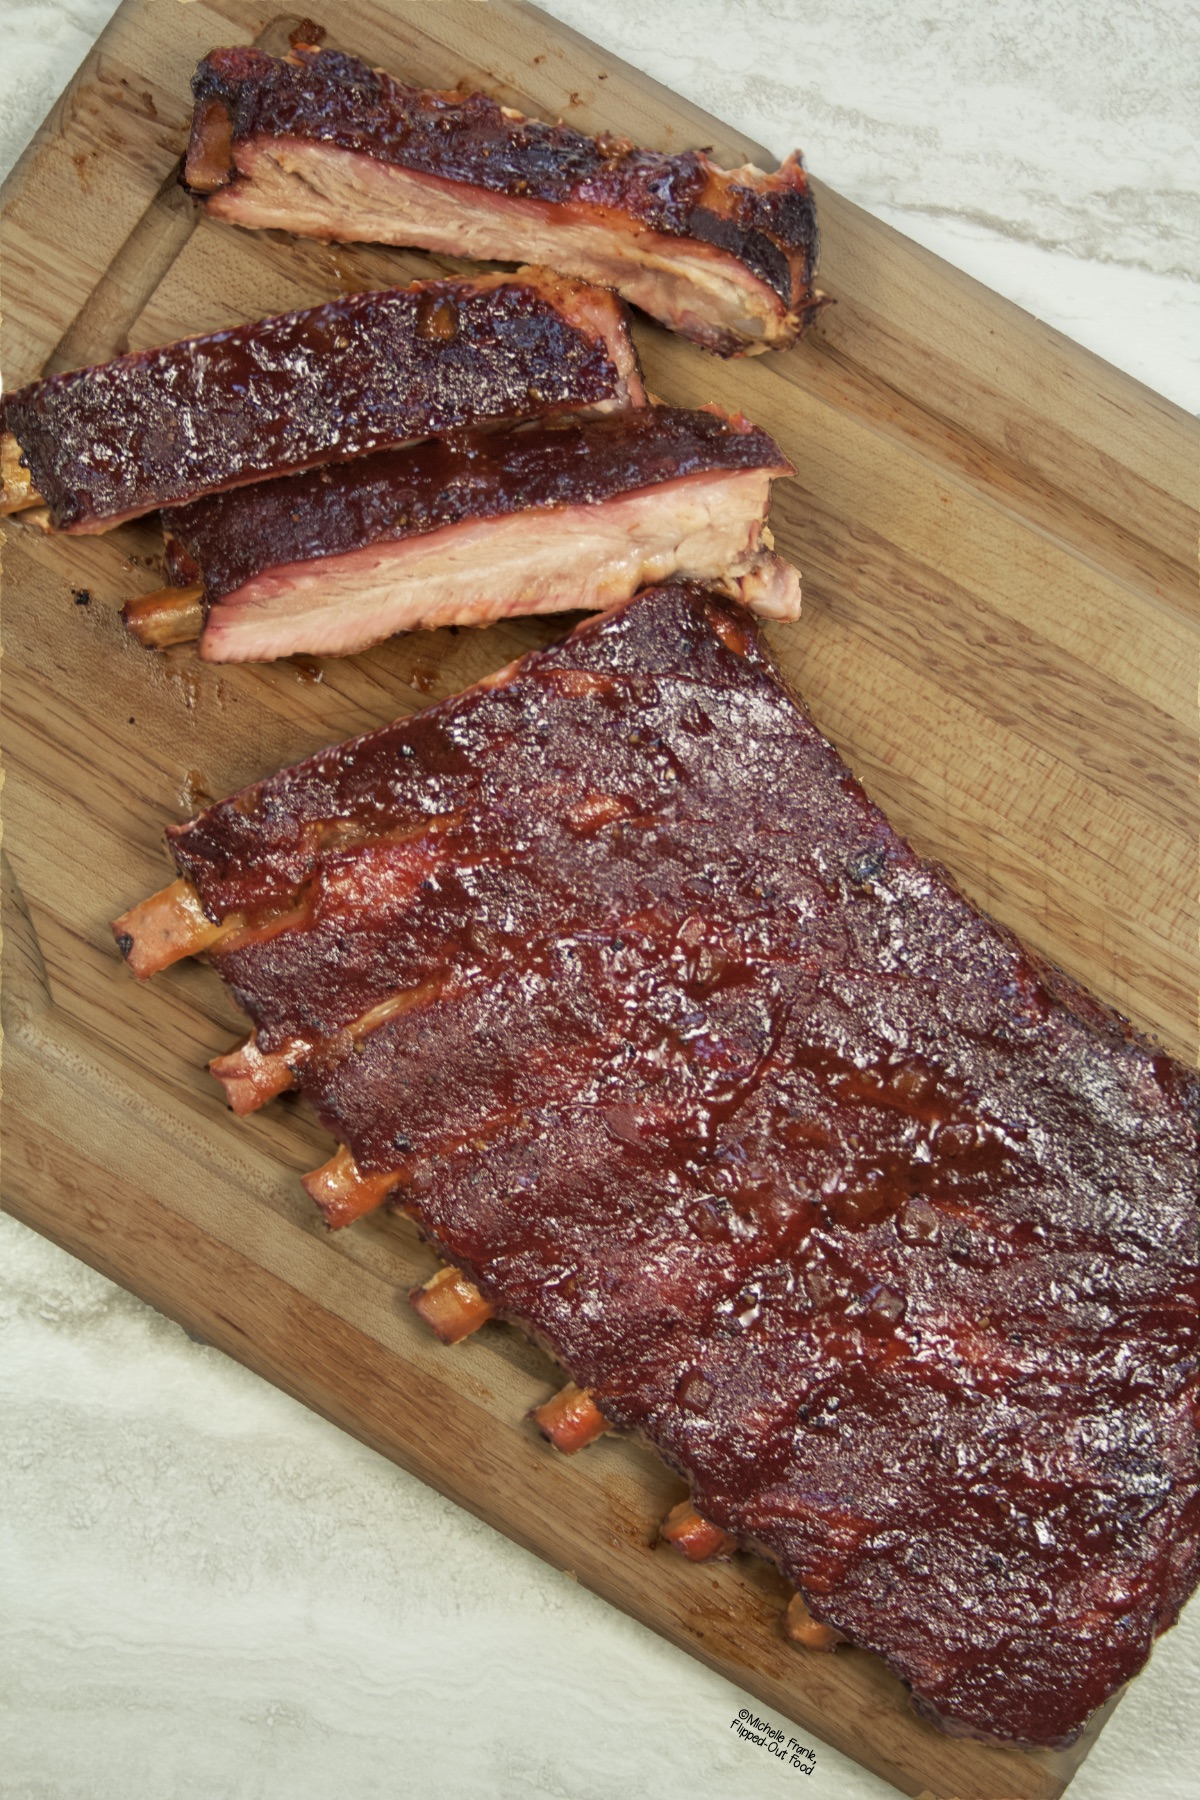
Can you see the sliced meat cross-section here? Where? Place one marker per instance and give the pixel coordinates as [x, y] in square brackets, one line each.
[535, 518]
[321, 144]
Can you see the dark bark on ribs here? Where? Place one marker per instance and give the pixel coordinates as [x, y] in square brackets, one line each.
[322, 145]
[883, 1232]
[545, 517]
[371, 371]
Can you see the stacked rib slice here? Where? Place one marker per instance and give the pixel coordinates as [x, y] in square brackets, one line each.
[449, 453]
[882, 1232]
[533, 518]
[331, 476]
[375, 370]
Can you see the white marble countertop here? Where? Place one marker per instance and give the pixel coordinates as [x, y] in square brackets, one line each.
[207, 1591]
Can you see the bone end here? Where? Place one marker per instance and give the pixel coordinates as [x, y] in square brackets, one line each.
[16, 483]
[343, 1191]
[209, 162]
[800, 1626]
[694, 1537]
[450, 1305]
[165, 928]
[571, 1420]
[251, 1077]
[168, 616]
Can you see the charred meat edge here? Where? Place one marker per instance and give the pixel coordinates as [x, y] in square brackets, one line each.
[804, 1624]
[358, 374]
[322, 145]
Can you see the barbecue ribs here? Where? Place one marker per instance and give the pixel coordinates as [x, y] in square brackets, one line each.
[881, 1230]
[533, 518]
[373, 370]
[322, 145]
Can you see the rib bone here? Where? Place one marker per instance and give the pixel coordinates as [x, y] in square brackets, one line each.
[170, 615]
[694, 1537]
[165, 928]
[251, 1076]
[342, 1190]
[16, 484]
[571, 1420]
[450, 1305]
[800, 1626]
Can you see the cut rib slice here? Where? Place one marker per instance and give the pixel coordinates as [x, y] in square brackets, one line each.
[546, 517]
[162, 427]
[322, 145]
[883, 1232]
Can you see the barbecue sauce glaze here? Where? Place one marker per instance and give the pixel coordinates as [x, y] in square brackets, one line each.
[881, 1230]
[372, 370]
[242, 94]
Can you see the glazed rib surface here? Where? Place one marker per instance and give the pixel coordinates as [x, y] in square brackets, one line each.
[883, 1232]
[162, 427]
[323, 145]
[536, 518]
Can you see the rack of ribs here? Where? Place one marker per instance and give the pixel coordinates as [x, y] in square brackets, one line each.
[368, 372]
[880, 1229]
[543, 517]
[320, 144]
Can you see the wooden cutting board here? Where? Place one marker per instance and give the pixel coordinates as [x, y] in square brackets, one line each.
[1002, 634]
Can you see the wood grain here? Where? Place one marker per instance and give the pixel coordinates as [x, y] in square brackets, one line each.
[1001, 633]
